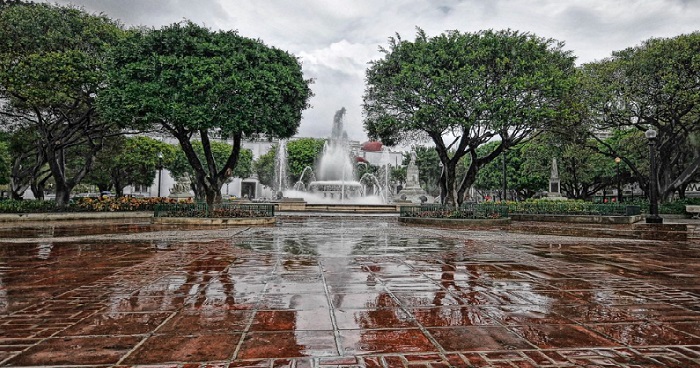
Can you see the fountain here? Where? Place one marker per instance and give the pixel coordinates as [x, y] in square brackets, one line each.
[334, 180]
[281, 175]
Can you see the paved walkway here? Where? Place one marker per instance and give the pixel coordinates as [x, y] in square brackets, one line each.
[340, 292]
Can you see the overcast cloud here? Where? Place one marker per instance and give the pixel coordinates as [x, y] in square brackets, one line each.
[336, 39]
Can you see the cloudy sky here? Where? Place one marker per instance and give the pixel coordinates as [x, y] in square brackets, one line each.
[336, 39]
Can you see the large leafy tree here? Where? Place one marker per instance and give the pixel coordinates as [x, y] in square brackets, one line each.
[129, 161]
[264, 167]
[51, 67]
[27, 162]
[526, 170]
[188, 81]
[180, 165]
[583, 171]
[653, 85]
[461, 90]
[301, 153]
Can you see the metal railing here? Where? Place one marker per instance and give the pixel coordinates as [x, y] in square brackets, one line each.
[223, 210]
[465, 211]
[498, 210]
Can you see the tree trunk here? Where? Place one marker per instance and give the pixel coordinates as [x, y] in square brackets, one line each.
[37, 190]
[17, 188]
[118, 187]
[16, 195]
[103, 188]
[64, 186]
[213, 196]
[450, 183]
[443, 186]
[62, 194]
[469, 176]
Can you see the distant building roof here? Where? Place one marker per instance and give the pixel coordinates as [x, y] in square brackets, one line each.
[372, 146]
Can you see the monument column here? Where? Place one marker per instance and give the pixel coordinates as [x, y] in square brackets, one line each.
[554, 190]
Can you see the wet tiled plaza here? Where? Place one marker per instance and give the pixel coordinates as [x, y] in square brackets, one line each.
[343, 292]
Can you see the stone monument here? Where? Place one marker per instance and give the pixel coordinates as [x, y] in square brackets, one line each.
[554, 190]
[181, 188]
[412, 192]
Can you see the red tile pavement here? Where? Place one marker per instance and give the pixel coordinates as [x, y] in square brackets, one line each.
[343, 292]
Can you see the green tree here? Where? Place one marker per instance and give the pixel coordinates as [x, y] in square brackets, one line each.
[5, 160]
[398, 175]
[51, 67]
[188, 81]
[524, 184]
[653, 85]
[583, 171]
[220, 151]
[264, 167]
[24, 157]
[302, 153]
[129, 161]
[461, 90]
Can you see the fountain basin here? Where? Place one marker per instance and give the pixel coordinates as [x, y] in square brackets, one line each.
[337, 190]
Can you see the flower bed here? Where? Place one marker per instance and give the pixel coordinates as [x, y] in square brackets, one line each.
[84, 205]
[123, 203]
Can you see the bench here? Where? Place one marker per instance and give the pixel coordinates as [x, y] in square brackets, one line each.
[695, 210]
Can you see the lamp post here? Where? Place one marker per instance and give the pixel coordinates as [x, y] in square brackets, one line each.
[619, 187]
[160, 170]
[653, 217]
[505, 182]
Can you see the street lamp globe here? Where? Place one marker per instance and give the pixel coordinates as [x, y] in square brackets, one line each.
[650, 134]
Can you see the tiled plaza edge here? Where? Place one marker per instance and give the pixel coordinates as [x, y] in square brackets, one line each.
[343, 292]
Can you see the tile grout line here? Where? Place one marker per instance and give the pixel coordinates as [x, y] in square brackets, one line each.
[248, 326]
[428, 335]
[331, 312]
[155, 330]
[53, 300]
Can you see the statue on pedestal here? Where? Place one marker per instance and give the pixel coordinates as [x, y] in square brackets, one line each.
[413, 191]
[181, 188]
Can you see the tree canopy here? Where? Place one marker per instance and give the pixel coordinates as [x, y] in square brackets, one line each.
[129, 161]
[651, 86]
[301, 153]
[51, 67]
[187, 81]
[461, 90]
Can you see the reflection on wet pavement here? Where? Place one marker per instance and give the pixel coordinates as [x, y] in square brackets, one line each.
[347, 292]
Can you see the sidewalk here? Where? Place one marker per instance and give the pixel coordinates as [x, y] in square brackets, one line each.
[346, 292]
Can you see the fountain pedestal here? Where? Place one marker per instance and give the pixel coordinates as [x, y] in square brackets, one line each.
[290, 204]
